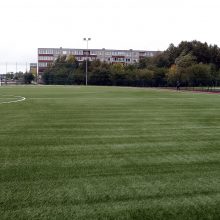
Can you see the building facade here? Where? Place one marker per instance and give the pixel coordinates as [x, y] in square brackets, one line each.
[33, 69]
[46, 56]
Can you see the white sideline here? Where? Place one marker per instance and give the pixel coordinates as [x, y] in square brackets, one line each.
[20, 99]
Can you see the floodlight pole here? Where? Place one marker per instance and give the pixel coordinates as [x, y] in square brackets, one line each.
[87, 46]
[6, 70]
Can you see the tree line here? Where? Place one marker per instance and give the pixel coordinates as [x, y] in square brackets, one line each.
[17, 78]
[190, 64]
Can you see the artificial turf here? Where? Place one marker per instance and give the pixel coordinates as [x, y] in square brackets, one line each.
[70, 152]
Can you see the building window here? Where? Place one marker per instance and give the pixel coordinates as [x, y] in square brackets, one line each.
[42, 64]
[45, 58]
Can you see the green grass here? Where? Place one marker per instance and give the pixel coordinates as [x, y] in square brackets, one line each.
[109, 153]
[202, 89]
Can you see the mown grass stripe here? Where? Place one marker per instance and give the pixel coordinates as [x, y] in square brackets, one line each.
[109, 153]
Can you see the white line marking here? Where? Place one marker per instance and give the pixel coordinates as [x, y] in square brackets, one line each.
[19, 99]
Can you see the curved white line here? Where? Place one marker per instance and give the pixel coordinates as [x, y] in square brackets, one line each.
[20, 99]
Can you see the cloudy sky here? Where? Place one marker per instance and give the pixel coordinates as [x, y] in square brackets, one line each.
[114, 24]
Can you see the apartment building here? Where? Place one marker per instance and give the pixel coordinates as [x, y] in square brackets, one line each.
[46, 56]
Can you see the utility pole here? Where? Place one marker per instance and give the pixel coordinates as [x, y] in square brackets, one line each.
[6, 69]
[87, 46]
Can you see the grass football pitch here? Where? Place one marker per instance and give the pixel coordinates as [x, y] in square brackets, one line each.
[70, 152]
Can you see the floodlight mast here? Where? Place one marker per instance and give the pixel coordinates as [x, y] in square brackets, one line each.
[87, 46]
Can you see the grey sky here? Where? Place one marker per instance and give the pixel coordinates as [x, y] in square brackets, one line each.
[115, 24]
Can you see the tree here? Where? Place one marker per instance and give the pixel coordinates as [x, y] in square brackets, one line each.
[95, 64]
[19, 76]
[199, 75]
[100, 76]
[61, 71]
[118, 76]
[10, 75]
[71, 62]
[144, 62]
[172, 76]
[214, 74]
[160, 60]
[215, 55]
[159, 76]
[144, 77]
[218, 78]
[79, 77]
[28, 78]
[201, 51]
[182, 63]
[172, 53]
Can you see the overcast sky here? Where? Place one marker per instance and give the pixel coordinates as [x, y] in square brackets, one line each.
[114, 24]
